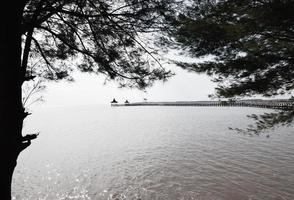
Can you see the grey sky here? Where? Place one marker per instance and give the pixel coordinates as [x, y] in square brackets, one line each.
[90, 89]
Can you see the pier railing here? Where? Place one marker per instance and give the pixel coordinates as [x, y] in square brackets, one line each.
[272, 104]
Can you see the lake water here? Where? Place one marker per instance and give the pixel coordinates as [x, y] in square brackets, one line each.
[153, 153]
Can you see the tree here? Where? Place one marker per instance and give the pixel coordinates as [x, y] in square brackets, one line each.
[45, 38]
[251, 45]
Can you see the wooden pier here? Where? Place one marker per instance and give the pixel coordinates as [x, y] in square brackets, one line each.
[284, 104]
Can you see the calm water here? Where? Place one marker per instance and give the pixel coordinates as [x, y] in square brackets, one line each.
[152, 153]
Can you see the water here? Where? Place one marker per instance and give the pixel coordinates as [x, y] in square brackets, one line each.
[153, 153]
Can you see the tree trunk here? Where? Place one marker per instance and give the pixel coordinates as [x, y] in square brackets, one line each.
[11, 110]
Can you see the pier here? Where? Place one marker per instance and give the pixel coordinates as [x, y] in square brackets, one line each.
[283, 104]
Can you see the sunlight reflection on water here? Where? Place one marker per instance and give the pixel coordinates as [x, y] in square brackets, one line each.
[157, 153]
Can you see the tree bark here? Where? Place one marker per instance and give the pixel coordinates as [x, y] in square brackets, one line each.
[11, 109]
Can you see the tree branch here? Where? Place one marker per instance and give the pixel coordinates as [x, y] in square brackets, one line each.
[48, 64]
[80, 51]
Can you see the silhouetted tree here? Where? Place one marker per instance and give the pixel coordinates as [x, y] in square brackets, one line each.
[251, 46]
[48, 38]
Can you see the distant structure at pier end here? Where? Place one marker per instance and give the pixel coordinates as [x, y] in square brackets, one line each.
[113, 101]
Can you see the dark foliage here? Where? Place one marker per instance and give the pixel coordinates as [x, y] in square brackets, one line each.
[101, 36]
[251, 43]
[267, 121]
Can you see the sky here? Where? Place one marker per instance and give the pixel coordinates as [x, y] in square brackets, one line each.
[90, 89]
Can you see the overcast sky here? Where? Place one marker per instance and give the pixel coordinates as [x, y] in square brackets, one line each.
[90, 89]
